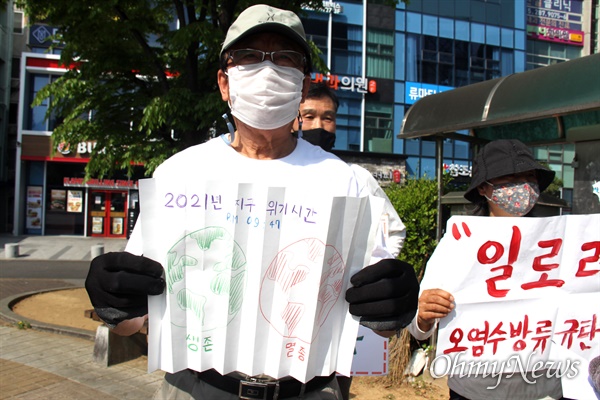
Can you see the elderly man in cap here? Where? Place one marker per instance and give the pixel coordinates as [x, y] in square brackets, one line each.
[264, 75]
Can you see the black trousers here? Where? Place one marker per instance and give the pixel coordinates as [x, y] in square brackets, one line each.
[344, 383]
[456, 396]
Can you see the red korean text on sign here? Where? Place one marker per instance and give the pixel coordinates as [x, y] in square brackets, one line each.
[290, 349]
[554, 245]
[484, 336]
[455, 338]
[521, 329]
[513, 254]
[581, 271]
[585, 330]
[544, 331]
[478, 338]
[540, 263]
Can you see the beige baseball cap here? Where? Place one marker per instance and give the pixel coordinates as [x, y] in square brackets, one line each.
[263, 18]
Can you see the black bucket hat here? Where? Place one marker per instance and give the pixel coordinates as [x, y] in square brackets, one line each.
[504, 157]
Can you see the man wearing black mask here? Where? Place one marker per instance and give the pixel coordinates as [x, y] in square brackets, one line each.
[318, 114]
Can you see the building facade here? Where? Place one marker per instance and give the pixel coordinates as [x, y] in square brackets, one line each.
[409, 52]
[383, 59]
[10, 26]
[558, 31]
[51, 195]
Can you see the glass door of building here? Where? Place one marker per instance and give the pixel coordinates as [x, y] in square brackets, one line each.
[107, 216]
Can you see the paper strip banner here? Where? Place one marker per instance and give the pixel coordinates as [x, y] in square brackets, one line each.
[255, 277]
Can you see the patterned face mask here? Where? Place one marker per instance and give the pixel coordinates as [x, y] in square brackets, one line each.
[517, 198]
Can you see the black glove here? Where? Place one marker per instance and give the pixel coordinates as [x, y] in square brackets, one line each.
[385, 295]
[119, 284]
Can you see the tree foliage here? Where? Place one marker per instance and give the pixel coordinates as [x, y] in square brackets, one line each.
[142, 74]
[555, 187]
[416, 204]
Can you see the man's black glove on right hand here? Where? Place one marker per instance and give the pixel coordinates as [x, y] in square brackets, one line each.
[119, 284]
[385, 295]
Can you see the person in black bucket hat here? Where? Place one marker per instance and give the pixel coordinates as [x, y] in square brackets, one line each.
[506, 179]
[506, 182]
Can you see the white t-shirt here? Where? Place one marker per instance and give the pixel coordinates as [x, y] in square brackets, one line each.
[307, 166]
[396, 231]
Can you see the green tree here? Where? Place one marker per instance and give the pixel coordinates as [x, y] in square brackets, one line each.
[150, 89]
[555, 186]
[142, 78]
[416, 204]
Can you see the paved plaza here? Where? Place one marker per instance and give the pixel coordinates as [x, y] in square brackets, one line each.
[52, 362]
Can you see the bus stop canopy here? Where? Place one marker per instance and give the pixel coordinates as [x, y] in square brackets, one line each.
[553, 104]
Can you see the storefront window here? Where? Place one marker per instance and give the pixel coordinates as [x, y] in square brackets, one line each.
[378, 127]
[380, 53]
[36, 118]
[442, 61]
[107, 212]
[37, 121]
[65, 211]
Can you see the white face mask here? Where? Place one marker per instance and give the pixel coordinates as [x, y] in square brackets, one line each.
[265, 95]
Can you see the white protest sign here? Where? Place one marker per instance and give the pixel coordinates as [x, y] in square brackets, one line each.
[526, 290]
[370, 354]
[255, 276]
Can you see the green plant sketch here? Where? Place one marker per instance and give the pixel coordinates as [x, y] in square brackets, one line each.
[202, 268]
[189, 300]
[175, 270]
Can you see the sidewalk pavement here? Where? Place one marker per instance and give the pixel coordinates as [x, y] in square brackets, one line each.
[53, 362]
[72, 248]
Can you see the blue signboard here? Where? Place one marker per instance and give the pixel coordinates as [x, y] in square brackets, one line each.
[415, 90]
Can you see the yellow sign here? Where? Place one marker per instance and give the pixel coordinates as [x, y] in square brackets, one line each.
[576, 37]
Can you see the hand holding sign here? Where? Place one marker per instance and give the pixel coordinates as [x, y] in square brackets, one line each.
[119, 283]
[384, 295]
[433, 304]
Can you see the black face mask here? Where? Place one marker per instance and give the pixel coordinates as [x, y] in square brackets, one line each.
[319, 137]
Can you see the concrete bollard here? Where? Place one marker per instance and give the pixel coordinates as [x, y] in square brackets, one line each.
[111, 349]
[97, 250]
[11, 250]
